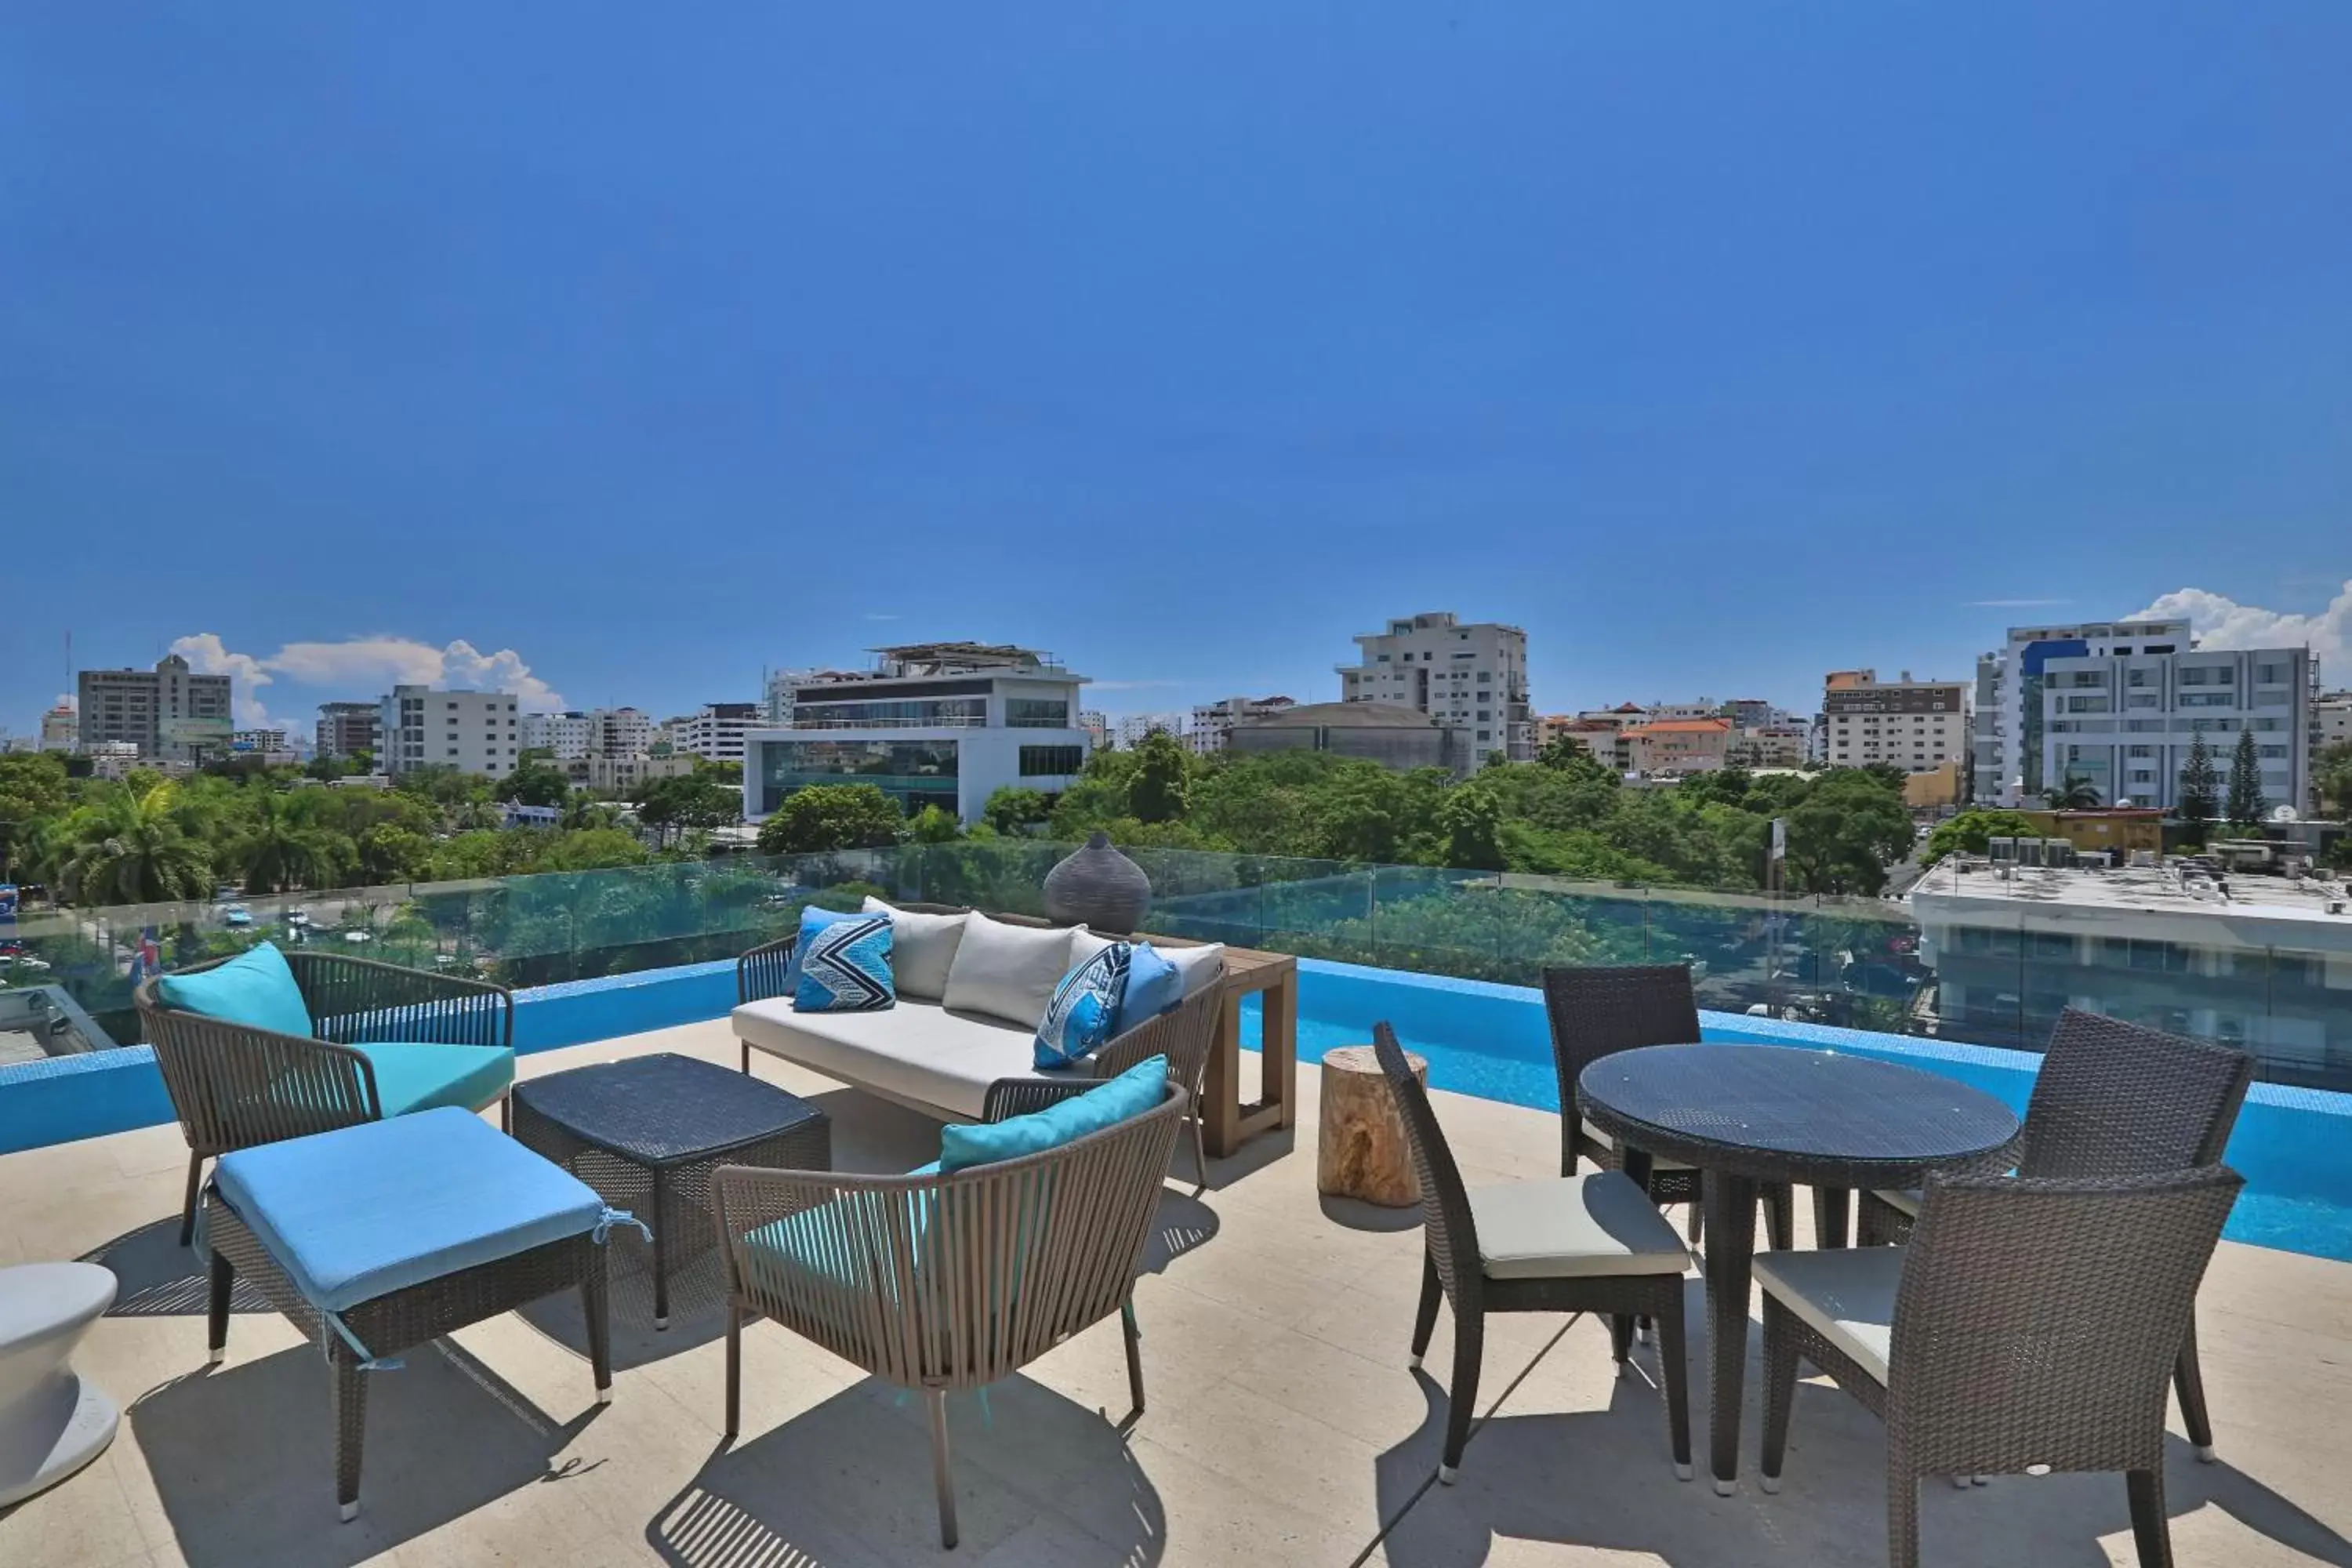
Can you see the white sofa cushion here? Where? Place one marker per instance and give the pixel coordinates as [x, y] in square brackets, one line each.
[1569, 1226]
[1084, 944]
[1201, 966]
[1007, 972]
[922, 948]
[916, 1051]
[1846, 1295]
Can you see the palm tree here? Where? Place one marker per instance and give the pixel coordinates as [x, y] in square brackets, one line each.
[2076, 794]
[128, 849]
[279, 854]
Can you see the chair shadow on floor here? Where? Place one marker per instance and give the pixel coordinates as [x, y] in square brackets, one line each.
[155, 1277]
[1039, 1478]
[243, 1457]
[1602, 1479]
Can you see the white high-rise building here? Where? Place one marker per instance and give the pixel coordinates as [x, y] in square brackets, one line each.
[1472, 678]
[1097, 726]
[1133, 727]
[564, 734]
[1212, 723]
[424, 727]
[598, 732]
[169, 712]
[1915, 725]
[715, 731]
[61, 728]
[2119, 704]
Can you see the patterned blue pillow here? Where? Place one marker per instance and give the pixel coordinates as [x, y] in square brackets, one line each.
[1085, 1005]
[845, 967]
[812, 919]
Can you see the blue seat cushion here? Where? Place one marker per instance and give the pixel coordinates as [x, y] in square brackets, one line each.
[1153, 987]
[844, 965]
[811, 919]
[364, 1211]
[255, 988]
[1131, 1093]
[410, 1078]
[831, 1250]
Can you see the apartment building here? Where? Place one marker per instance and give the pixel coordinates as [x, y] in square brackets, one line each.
[1769, 745]
[2331, 719]
[170, 713]
[715, 731]
[1671, 747]
[1212, 723]
[273, 746]
[596, 733]
[472, 732]
[1471, 677]
[1132, 728]
[1915, 725]
[2119, 705]
[347, 728]
[61, 728]
[1098, 728]
[939, 724]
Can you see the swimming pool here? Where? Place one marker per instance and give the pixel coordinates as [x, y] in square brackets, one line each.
[2294, 1146]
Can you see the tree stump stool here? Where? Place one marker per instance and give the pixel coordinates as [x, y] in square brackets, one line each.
[1362, 1152]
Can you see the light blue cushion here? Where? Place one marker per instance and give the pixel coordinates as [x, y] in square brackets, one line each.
[841, 1256]
[1131, 1093]
[364, 1211]
[845, 966]
[1153, 987]
[410, 1078]
[811, 919]
[1086, 1003]
[255, 988]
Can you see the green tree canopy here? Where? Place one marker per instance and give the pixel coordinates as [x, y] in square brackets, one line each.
[822, 817]
[2200, 790]
[1160, 789]
[1972, 833]
[1012, 807]
[2245, 806]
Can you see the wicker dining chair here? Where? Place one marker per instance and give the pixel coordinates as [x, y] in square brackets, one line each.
[1600, 1011]
[939, 1284]
[1577, 1243]
[1184, 1034]
[2029, 1324]
[233, 1086]
[2114, 1098]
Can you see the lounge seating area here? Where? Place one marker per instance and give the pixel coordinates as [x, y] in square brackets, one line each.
[950, 1292]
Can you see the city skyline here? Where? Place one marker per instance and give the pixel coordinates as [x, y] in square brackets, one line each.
[1718, 353]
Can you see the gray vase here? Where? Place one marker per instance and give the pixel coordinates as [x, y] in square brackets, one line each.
[1099, 887]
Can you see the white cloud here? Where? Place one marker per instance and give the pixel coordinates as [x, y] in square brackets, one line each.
[370, 665]
[2220, 622]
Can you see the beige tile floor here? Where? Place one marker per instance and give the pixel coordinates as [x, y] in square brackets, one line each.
[1284, 1427]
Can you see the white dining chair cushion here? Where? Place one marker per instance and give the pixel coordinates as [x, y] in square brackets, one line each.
[1846, 1295]
[1571, 1226]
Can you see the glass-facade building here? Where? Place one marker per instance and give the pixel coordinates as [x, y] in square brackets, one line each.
[916, 773]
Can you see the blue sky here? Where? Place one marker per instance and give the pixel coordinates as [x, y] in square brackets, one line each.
[1718, 347]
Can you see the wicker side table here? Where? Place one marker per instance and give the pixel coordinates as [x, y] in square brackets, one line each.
[647, 1133]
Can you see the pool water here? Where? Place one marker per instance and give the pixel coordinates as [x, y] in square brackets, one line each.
[2317, 1226]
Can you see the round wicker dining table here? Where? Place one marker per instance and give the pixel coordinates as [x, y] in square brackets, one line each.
[1748, 1115]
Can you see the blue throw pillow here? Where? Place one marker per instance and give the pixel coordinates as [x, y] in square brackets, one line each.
[1138, 1089]
[1084, 1006]
[845, 967]
[255, 988]
[812, 919]
[1153, 987]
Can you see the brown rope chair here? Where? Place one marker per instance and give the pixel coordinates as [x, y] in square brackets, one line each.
[2114, 1098]
[1600, 1011]
[2029, 1323]
[939, 1284]
[1577, 1243]
[1184, 1034]
[233, 1086]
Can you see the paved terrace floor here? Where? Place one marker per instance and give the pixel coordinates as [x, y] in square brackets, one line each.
[1284, 1427]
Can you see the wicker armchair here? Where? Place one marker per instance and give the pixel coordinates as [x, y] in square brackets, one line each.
[2117, 1099]
[1597, 1012]
[2032, 1323]
[944, 1283]
[1184, 1034]
[233, 1087]
[1559, 1245]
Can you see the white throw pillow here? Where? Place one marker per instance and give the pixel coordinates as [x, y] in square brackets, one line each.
[922, 948]
[1084, 944]
[1005, 971]
[1201, 966]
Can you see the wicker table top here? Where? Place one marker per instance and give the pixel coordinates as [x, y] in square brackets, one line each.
[665, 1109]
[1779, 1113]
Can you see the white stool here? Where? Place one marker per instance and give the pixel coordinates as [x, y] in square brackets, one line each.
[51, 1422]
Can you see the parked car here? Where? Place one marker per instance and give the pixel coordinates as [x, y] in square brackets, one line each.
[237, 915]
